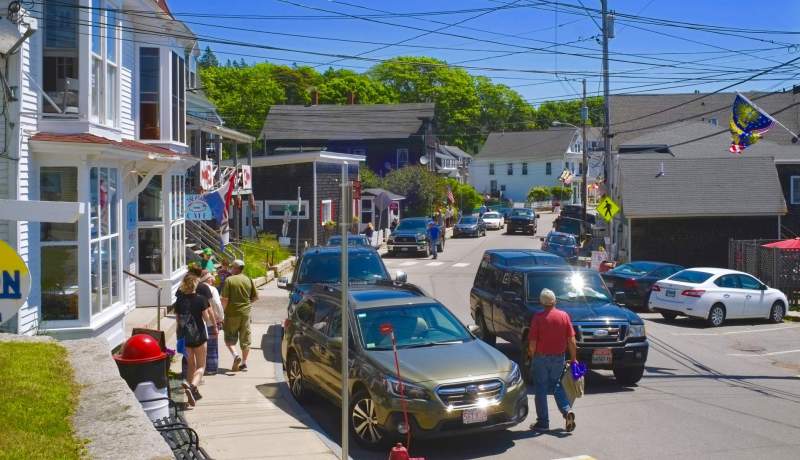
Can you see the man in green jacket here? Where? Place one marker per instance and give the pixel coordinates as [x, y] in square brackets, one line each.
[237, 295]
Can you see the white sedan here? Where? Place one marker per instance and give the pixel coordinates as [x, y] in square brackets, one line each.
[493, 220]
[716, 294]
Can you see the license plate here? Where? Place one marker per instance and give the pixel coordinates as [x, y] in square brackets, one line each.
[474, 416]
[404, 249]
[670, 293]
[601, 356]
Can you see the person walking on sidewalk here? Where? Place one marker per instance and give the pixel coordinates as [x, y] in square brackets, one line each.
[237, 294]
[433, 237]
[193, 313]
[208, 289]
[550, 336]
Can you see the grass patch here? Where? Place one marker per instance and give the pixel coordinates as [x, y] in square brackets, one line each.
[258, 254]
[39, 397]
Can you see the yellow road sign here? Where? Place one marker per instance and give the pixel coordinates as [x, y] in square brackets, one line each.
[607, 208]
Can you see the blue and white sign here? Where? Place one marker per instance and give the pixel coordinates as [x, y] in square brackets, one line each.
[15, 282]
[197, 208]
[132, 216]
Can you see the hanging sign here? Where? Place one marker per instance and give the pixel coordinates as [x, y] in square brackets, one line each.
[15, 282]
[197, 208]
[245, 180]
[206, 174]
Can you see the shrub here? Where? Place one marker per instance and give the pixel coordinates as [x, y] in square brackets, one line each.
[259, 254]
[560, 192]
[538, 193]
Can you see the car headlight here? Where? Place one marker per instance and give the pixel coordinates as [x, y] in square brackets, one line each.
[422, 237]
[515, 376]
[636, 330]
[410, 391]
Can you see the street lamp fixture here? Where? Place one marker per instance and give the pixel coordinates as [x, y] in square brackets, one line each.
[561, 123]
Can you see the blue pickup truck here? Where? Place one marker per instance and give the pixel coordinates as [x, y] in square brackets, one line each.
[411, 236]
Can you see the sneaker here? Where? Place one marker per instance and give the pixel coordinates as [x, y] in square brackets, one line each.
[187, 390]
[237, 361]
[569, 417]
[196, 393]
[539, 426]
[243, 367]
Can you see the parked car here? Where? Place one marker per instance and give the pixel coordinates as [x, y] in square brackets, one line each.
[631, 283]
[717, 294]
[455, 384]
[469, 226]
[522, 220]
[352, 240]
[572, 226]
[521, 258]
[562, 244]
[322, 264]
[493, 220]
[575, 211]
[504, 298]
[411, 235]
[505, 212]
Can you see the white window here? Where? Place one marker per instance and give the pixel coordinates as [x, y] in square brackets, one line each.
[402, 157]
[178, 98]
[105, 270]
[151, 228]
[178, 222]
[60, 73]
[511, 169]
[366, 210]
[105, 59]
[794, 186]
[491, 169]
[326, 211]
[275, 209]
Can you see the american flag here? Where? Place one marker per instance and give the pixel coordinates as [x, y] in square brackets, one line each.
[450, 197]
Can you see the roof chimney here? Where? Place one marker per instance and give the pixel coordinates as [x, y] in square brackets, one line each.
[314, 97]
[351, 98]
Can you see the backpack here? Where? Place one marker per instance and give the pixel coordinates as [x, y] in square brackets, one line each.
[192, 333]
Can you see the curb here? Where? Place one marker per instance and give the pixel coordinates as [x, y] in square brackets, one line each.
[296, 408]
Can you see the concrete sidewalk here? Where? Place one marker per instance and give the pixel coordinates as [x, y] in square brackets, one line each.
[252, 414]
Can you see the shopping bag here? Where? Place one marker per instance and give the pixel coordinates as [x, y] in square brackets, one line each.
[573, 388]
[180, 346]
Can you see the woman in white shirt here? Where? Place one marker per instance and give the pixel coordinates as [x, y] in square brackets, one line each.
[212, 357]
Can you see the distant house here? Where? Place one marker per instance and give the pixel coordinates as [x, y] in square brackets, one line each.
[681, 203]
[390, 136]
[510, 163]
[453, 162]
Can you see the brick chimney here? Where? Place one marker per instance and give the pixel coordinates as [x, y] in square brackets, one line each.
[314, 97]
[351, 98]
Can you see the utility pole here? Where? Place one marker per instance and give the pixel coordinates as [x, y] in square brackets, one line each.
[585, 168]
[297, 227]
[344, 218]
[607, 169]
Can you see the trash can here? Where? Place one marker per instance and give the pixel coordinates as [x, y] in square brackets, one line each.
[143, 366]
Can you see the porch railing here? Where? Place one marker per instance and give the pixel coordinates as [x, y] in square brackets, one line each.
[158, 290]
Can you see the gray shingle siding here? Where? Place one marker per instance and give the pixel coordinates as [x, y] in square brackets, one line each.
[543, 144]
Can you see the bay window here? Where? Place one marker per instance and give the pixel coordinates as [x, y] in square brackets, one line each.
[59, 248]
[178, 98]
[60, 76]
[105, 57]
[178, 223]
[104, 238]
[149, 93]
[151, 228]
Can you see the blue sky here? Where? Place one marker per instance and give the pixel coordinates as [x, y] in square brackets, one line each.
[499, 43]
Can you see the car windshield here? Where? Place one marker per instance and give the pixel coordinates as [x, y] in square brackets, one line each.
[351, 240]
[563, 240]
[691, 276]
[468, 220]
[491, 215]
[416, 224]
[573, 287]
[521, 212]
[363, 266]
[635, 268]
[530, 261]
[414, 326]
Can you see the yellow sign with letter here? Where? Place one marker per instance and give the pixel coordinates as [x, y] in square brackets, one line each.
[15, 282]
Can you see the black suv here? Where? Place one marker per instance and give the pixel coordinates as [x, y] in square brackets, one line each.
[505, 296]
[322, 264]
[521, 220]
[411, 235]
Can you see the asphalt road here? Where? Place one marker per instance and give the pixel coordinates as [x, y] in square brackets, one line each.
[731, 392]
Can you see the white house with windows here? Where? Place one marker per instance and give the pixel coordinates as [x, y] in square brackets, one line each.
[95, 115]
[510, 163]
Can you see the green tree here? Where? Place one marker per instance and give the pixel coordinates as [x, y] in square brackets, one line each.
[569, 112]
[243, 96]
[560, 192]
[369, 179]
[423, 189]
[337, 85]
[208, 59]
[295, 81]
[467, 198]
[539, 193]
[502, 108]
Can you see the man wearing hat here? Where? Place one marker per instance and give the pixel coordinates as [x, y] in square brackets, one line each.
[237, 294]
[208, 262]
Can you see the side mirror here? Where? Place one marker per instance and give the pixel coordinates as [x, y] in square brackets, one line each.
[509, 296]
[473, 329]
[764, 287]
[541, 239]
[619, 297]
[283, 283]
[400, 276]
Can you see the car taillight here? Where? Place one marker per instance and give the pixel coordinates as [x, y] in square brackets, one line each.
[693, 292]
[656, 288]
[629, 283]
[286, 323]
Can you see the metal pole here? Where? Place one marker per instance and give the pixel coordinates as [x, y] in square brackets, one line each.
[158, 312]
[297, 226]
[607, 170]
[345, 305]
[585, 168]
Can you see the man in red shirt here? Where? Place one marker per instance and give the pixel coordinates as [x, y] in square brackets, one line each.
[550, 336]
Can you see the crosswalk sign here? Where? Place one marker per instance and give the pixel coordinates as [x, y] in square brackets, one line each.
[607, 208]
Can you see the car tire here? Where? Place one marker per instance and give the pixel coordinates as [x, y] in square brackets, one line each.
[524, 362]
[628, 376]
[363, 424]
[777, 312]
[669, 316]
[716, 315]
[646, 304]
[483, 331]
[295, 379]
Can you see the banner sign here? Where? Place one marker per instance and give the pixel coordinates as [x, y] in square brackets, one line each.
[206, 174]
[245, 179]
[15, 282]
[197, 208]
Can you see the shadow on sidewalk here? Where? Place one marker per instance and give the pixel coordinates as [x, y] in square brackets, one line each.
[274, 334]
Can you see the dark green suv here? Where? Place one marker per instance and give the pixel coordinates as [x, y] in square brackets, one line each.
[453, 383]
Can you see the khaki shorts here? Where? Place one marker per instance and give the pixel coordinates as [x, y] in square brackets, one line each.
[237, 329]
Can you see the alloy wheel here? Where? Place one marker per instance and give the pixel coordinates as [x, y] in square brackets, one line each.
[296, 378]
[717, 316]
[777, 313]
[365, 421]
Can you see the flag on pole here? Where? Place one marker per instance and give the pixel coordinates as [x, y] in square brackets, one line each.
[450, 197]
[219, 201]
[566, 177]
[748, 124]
